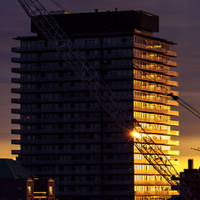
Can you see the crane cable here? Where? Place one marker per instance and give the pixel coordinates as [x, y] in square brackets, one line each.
[59, 5]
[187, 106]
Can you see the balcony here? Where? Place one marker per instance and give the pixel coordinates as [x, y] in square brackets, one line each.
[148, 88]
[162, 132]
[15, 152]
[153, 58]
[166, 152]
[40, 195]
[172, 103]
[173, 113]
[171, 63]
[50, 110]
[79, 150]
[36, 59]
[148, 78]
[172, 83]
[163, 142]
[158, 193]
[171, 53]
[175, 93]
[42, 79]
[151, 67]
[152, 182]
[172, 73]
[150, 99]
[76, 162]
[32, 48]
[156, 110]
[145, 172]
[159, 121]
[173, 123]
[156, 48]
[150, 58]
[38, 69]
[166, 142]
[57, 120]
[16, 141]
[153, 171]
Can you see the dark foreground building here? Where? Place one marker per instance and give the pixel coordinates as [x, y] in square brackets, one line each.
[64, 132]
[191, 177]
[17, 183]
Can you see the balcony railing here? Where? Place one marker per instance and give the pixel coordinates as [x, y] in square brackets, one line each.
[15, 152]
[172, 103]
[145, 162]
[156, 59]
[171, 63]
[35, 59]
[32, 48]
[164, 142]
[159, 80]
[172, 83]
[156, 110]
[163, 132]
[172, 73]
[152, 182]
[156, 49]
[149, 58]
[16, 141]
[160, 121]
[148, 88]
[153, 68]
[145, 172]
[158, 193]
[166, 152]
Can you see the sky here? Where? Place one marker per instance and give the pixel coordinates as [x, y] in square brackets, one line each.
[179, 22]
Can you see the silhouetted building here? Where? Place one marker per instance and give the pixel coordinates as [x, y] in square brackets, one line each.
[16, 183]
[189, 174]
[191, 177]
[64, 132]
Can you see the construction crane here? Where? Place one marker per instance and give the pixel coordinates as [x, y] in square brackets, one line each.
[103, 94]
[196, 149]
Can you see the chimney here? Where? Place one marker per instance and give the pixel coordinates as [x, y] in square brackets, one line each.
[190, 164]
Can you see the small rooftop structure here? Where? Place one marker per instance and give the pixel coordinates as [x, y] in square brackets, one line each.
[16, 182]
[11, 169]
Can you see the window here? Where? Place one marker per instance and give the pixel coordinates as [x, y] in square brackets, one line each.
[19, 188]
[50, 190]
[29, 189]
[89, 42]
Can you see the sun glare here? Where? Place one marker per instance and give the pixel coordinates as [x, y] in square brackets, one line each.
[136, 134]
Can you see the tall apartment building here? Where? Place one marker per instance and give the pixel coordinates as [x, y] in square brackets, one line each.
[66, 135]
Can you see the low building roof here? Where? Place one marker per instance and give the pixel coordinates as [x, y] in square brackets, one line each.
[13, 170]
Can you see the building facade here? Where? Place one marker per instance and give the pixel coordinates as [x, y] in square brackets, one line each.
[66, 135]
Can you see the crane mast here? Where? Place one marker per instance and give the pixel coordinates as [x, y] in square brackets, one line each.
[103, 94]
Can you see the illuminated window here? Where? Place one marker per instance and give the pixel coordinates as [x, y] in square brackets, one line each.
[29, 189]
[50, 190]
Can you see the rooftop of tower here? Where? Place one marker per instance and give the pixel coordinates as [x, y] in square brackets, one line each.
[103, 22]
